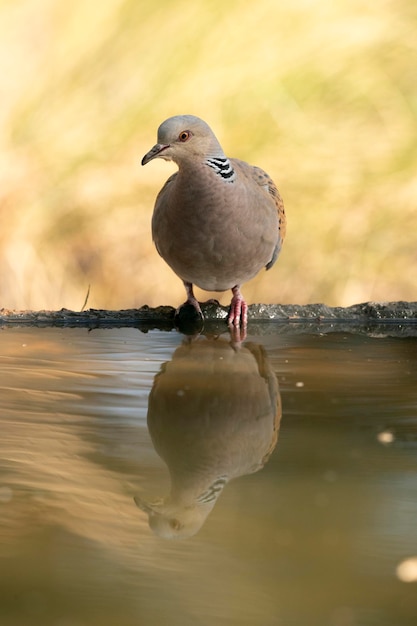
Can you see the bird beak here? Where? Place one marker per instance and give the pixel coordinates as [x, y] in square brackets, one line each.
[154, 152]
[146, 507]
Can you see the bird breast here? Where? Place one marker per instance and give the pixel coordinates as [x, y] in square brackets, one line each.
[214, 233]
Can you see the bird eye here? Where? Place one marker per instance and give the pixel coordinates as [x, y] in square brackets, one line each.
[184, 135]
[175, 524]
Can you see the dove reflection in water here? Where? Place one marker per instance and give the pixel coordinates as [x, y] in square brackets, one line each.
[214, 414]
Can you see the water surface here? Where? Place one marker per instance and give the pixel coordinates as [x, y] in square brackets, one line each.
[154, 479]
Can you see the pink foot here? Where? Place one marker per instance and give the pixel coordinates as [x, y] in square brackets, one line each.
[191, 302]
[191, 299]
[237, 335]
[238, 309]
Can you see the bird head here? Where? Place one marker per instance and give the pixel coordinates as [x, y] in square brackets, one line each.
[184, 138]
[174, 520]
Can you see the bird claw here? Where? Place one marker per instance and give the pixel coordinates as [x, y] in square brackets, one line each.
[191, 302]
[238, 310]
[189, 318]
[237, 335]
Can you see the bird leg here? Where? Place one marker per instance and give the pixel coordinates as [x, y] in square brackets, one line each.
[191, 299]
[238, 309]
[237, 336]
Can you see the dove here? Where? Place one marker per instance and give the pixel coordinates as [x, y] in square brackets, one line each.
[214, 414]
[217, 221]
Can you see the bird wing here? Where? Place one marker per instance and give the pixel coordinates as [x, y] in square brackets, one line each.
[261, 178]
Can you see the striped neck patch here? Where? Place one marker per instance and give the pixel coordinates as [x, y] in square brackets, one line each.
[213, 491]
[222, 167]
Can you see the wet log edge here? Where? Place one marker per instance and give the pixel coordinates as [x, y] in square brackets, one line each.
[392, 318]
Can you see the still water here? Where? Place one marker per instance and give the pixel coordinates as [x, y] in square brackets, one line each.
[157, 480]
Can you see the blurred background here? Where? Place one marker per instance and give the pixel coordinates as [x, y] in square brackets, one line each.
[320, 93]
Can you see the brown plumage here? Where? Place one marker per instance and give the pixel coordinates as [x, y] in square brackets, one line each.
[217, 221]
[213, 415]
